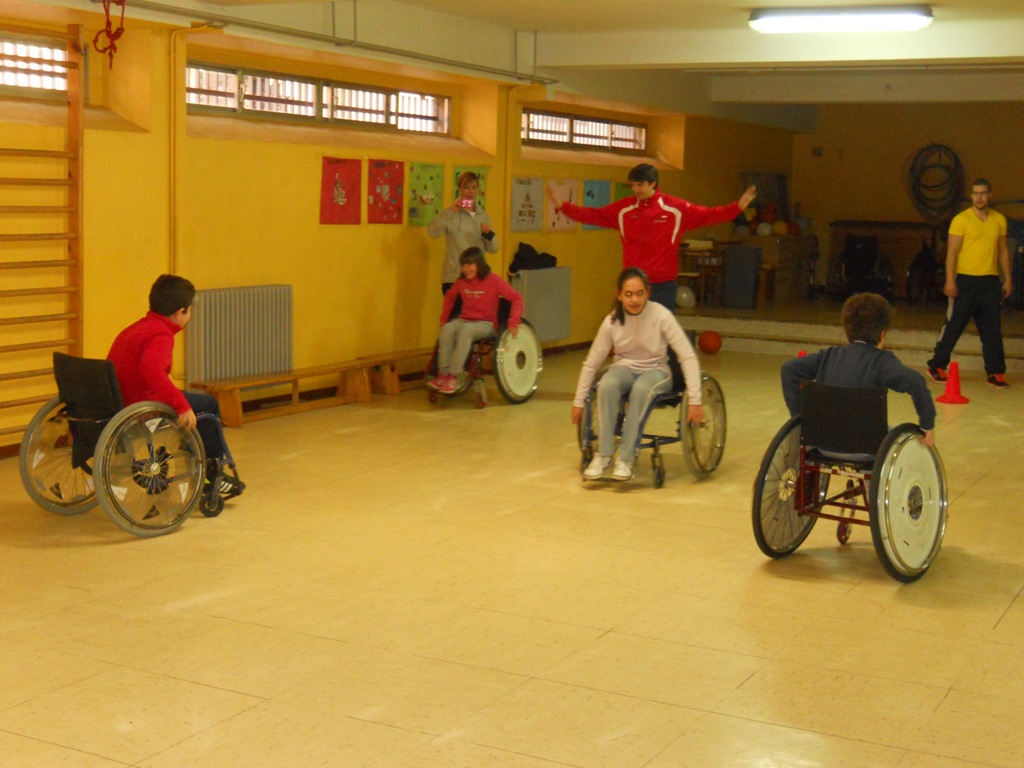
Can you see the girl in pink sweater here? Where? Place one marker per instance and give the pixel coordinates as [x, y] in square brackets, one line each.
[480, 292]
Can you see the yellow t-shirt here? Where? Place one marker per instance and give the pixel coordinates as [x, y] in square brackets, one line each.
[979, 254]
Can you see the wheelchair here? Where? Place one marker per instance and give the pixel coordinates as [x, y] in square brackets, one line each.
[860, 268]
[83, 448]
[516, 362]
[889, 474]
[702, 444]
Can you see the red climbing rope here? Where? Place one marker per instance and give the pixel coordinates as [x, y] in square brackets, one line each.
[112, 35]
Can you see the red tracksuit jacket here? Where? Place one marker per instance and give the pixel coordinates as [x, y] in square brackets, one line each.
[651, 229]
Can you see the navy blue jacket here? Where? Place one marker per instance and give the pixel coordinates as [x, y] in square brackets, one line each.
[857, 365]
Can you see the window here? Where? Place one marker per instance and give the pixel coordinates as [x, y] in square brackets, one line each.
[32, 65]
[579, 132]
[239, 92]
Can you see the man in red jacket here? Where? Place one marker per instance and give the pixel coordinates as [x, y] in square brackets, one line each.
[651, 225]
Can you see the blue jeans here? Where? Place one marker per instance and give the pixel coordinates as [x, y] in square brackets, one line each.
[641, 388]
[209, 433]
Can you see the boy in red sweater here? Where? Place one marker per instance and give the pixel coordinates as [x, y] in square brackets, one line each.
[142, 355]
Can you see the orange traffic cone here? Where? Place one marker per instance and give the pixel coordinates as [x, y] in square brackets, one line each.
[952, 393]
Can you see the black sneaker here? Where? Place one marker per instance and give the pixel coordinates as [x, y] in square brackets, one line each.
[938, 375]
[998, 381]
[229, 486]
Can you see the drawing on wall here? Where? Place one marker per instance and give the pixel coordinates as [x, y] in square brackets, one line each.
[527, 204]
[567, 191]
[340, 180]
[596, 194]
[426, 193]
[384, 191]
[481, 199]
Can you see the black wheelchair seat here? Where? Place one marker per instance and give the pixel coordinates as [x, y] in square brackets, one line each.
[88, 388]
[829, 432]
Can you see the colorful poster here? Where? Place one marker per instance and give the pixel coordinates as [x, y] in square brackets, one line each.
[481, 199]
[340, 200]
[527, 204]
[566, 191]
[384, 191]
[426, 193]
[596, 194]
[623, 189]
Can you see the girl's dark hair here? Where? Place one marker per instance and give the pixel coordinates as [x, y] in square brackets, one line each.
[865, 316]
[171, 293]
[475, 256]
[629, 273]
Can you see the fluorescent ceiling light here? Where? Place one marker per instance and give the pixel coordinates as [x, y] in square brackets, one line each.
[865, 18]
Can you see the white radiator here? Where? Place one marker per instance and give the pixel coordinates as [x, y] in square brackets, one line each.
[547, 294]
[244, 331]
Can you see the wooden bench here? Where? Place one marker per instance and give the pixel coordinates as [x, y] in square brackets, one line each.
[357, 379]
[385, 373]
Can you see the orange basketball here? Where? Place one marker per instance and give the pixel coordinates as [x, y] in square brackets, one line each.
[709, 342]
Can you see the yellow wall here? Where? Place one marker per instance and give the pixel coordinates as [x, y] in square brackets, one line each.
[245, 193]
[865, 151]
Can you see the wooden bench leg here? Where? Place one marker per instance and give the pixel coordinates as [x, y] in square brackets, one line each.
[355, 385]
[230, 403]
[384, 378]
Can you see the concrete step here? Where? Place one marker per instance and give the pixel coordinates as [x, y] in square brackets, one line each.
[913, 347]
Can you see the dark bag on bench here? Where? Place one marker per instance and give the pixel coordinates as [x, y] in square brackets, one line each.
[527, 257]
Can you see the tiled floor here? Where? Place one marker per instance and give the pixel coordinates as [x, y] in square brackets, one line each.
[414, 586]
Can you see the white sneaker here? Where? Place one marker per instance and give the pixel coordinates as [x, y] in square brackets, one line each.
[595, 469]
[623, 470]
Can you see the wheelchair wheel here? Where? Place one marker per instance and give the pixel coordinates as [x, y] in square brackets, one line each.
[658, 470]
[211, 504]
[704, 443]
[778, 527]
[908, 504]
[517, 363]
[149, 471]
[46, 466]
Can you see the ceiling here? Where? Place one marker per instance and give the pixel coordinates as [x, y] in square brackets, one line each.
[693, 56]
[700, 55]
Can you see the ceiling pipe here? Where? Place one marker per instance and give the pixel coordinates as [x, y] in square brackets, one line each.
[219, 19]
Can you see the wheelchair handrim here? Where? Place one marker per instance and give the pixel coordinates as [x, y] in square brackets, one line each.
[150, 472]
[46, 468]
[517, 363]
[911, 518]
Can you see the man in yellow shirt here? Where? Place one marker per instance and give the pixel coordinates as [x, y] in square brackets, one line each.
[978, 277]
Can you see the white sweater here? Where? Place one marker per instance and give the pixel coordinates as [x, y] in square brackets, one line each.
[641, 344]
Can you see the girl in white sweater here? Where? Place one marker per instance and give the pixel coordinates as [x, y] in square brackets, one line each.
[639, 332]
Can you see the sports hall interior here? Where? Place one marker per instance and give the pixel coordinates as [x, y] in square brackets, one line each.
[407, 584]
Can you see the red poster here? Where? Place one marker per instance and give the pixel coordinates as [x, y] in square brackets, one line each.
[339, 191]
[386, 180]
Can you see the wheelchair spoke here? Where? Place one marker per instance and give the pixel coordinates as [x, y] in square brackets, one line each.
[779, 528]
